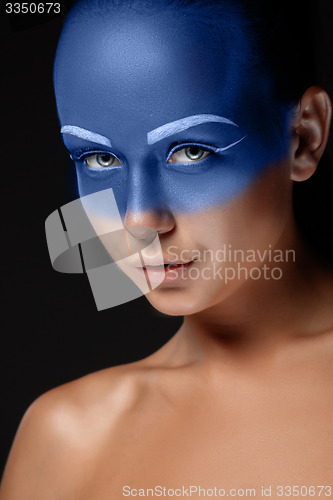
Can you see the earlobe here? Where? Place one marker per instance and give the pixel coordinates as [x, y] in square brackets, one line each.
[311, 129]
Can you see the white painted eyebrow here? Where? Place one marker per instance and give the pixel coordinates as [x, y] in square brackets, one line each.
[85, 134]
[183, 124]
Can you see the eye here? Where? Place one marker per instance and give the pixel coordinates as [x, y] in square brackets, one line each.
[102, 160]
[190, 154]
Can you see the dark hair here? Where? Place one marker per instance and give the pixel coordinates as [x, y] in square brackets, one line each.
[291, 41]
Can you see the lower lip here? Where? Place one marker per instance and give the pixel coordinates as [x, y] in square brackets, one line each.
[172, 273]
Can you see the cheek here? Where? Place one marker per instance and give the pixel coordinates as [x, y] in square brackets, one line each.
[90, 182]
[268, 205]
[254, 219]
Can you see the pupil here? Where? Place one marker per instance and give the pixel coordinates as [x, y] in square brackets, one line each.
[105, 160]
[194, 153]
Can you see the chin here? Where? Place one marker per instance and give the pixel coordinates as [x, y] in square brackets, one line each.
[177, 301]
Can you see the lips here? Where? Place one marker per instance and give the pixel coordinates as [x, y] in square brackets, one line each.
[166, 265]
[159, 261]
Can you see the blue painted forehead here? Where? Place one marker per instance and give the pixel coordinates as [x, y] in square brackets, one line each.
[122, 71]
[146, 26]
[132, 44]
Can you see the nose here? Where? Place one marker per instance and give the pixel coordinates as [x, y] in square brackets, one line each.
[145, 225]
[147, 211]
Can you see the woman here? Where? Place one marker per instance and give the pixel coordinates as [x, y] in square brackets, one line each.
[181, 108]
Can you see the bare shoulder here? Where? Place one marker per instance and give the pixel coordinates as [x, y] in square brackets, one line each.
[64, 422]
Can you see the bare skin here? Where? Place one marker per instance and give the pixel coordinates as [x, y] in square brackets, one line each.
[242, 395]
[214, 412]
[238, 407]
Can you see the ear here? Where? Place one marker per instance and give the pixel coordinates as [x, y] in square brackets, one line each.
[311, 129]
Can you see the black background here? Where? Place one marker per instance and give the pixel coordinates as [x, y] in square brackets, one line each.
[51, 330]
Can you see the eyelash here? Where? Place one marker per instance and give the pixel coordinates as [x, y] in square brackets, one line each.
[178, 147]
[82, 155]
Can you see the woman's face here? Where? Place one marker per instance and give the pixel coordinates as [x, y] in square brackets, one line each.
[159, 109]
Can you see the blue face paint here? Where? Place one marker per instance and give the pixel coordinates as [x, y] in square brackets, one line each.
[158, 109]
